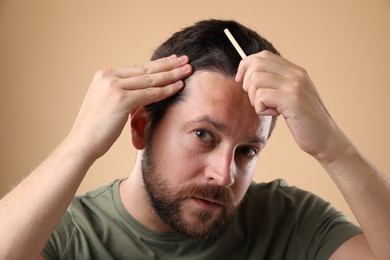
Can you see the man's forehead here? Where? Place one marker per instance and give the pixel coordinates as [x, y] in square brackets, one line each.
[216, 75]
[222, 101]
[213, 84]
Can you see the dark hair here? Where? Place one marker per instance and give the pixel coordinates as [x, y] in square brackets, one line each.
[208, 48]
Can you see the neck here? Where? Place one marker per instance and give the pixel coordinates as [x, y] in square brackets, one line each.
[135, 199]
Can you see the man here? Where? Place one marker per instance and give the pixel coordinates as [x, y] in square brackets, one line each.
[199, 119]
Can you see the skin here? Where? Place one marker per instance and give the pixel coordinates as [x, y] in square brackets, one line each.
[273, 86]
[30, 212]
[277, 86]
[212, 143]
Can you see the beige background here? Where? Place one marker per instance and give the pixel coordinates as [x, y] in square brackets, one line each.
[50, 50]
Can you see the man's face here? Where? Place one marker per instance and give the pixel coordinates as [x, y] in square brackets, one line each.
[201, 158]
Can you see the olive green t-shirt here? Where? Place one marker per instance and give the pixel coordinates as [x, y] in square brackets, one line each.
[275, 221]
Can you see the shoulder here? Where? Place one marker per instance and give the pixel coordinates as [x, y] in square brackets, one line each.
[277, 190]
[99, 199]
[285, 195]
[81, 223]
[103, 191]
[314, 223]
[279, 198]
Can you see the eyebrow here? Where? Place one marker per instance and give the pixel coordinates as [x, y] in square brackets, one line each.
[219, 126]
[223, 128]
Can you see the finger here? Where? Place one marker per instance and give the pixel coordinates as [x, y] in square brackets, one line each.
[264, 61]
[163, 64]
[266, 101]
[261, 68]
[143, 97]
[245, 63]
[158, 79]
[258, 101]
[261, 79]
[252, 94]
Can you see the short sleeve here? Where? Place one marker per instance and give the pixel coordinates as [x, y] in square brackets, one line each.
[60, 238]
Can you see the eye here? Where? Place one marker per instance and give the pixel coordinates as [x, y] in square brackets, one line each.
[204, 135]
[247, 151]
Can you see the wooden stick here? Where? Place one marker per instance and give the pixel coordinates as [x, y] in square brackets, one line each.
[267, 119]
[235, 43]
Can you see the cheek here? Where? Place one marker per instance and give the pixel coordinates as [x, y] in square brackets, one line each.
[244, 179]
[239, 191]
[245, 169]
[180, 165]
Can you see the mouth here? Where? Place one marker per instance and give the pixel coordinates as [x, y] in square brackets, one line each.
[208, 204]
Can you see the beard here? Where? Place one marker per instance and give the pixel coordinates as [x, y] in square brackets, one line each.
[167, 202]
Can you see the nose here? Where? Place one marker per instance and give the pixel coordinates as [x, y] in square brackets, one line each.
[221, 169]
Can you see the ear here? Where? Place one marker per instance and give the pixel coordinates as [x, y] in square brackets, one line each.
[138, 128]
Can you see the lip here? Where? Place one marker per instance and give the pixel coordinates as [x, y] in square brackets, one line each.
[207, 204]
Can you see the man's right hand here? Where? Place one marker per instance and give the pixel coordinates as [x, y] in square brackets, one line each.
[31, 211]
[115, 93]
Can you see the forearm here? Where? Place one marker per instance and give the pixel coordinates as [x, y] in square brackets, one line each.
[367, 192]
[31, 211]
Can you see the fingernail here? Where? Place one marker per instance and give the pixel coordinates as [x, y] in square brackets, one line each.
[185, 68]
[178, 84]
[182, 58]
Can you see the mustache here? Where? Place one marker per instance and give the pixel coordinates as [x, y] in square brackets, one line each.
[208, 191]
